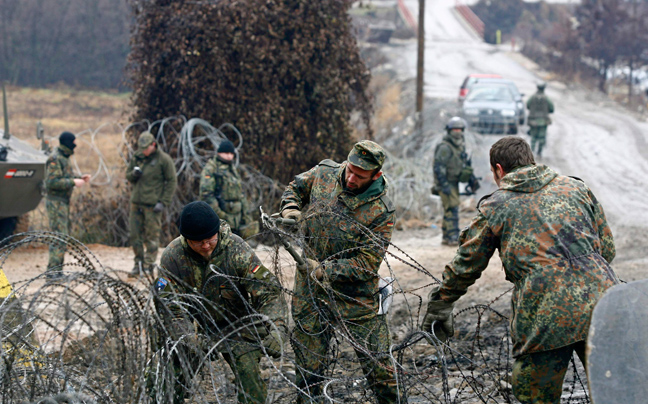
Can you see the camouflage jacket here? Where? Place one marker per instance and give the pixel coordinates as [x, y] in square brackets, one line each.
[449, 160]
[220, 187]
[59, 177]
[555, 246]
[540, 106]
[347, 233]
[158, 181]
[220, 291]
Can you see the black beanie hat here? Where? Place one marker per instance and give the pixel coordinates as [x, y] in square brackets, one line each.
[67, 140]
[226, 147]
[198, 221]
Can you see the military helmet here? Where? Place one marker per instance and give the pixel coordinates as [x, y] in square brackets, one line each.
[541, 85]
[456, 123]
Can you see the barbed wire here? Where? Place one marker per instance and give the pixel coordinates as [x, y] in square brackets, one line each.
[96, 337]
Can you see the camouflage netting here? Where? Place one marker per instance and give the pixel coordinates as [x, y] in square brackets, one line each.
[94, 338]
[286, 73]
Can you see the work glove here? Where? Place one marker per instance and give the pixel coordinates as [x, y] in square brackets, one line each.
[309, 266]
[291, 213]
[274, 341]
[438, 313]
[159, 207]
[137, 173]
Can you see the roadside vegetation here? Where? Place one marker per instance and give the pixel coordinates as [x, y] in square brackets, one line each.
[601, 44]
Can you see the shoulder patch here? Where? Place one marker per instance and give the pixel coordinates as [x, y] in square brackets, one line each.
[388, 203]
[329, 163]
[161, 283]
[260, 272]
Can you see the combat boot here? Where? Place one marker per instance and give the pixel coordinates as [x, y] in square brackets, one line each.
[137, 270]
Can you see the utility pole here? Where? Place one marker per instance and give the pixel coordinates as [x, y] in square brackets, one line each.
[419, 65]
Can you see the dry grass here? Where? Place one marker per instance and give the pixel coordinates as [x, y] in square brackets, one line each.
[66, 109]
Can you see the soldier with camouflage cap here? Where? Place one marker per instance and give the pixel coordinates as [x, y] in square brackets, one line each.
[540, 106]
[153, 175]
[213, 277]
[60, 181]
[221, 188]
[555, 246]
[348, 227]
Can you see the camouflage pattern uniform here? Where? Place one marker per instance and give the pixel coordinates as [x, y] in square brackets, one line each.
[336, 229]
[156, 184]
[540, 106]
[59, 183]
[231, 285]
[220, 187]
[449, 160]
[555, 245]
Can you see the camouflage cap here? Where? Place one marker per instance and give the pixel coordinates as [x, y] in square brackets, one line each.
[367, 155]
[145, 140]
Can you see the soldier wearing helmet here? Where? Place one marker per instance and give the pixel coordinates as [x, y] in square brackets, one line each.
[540, 106]
[451, 167]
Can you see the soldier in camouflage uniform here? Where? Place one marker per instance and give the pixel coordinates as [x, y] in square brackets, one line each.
[60, 181]
[540, 106]
[348, 228]
[153, 175]
[230, 283]
[220, 187]
[449, 162]
[555, 246]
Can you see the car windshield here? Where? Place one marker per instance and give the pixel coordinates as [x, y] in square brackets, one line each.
[499, 93]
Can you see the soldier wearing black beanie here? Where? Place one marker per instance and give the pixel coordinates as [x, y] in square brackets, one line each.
[198, 221]
[67, 140]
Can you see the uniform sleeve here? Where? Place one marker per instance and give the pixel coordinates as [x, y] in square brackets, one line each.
[477, 244]
[56, 178]
[608, 250]
[297, 194]
[168, 288]
[264, 288]
[170, 181]
[550, 106]
[129, 170]
[441, 158]
[209, 188]
[364, 264]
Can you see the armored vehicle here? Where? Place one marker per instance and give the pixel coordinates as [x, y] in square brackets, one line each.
[22, 171]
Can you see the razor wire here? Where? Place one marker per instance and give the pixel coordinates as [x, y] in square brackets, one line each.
[96, 336]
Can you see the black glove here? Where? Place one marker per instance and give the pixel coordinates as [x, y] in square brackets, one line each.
[446, 189]
[438, 313]
[137, 173]
[159, 207]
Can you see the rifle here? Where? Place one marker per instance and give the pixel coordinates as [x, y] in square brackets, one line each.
[473, 182]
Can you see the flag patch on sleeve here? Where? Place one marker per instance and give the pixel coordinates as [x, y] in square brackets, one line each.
[161, 283]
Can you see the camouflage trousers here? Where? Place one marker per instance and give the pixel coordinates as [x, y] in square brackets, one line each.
[58, 212]
[538, 137]
[242, 358]
[145, 232]
[538, 377]
[311, 339]
[450, 224]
